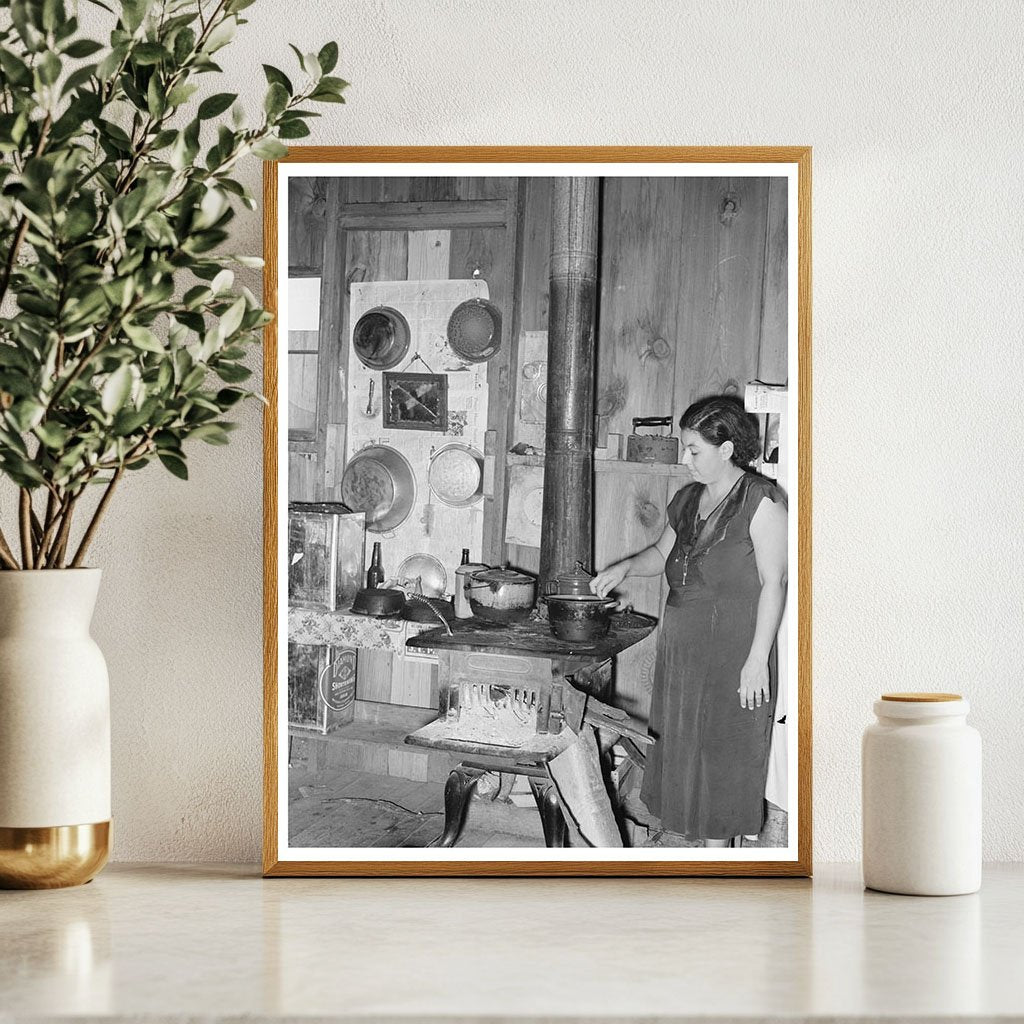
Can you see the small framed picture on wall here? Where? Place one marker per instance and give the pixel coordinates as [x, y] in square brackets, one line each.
[416, 401]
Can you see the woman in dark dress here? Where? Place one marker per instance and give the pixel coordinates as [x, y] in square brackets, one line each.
[724, 554]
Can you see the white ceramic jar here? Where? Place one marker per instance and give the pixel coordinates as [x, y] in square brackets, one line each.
[921, 778]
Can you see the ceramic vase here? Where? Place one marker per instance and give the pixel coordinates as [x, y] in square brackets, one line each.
[54, 731]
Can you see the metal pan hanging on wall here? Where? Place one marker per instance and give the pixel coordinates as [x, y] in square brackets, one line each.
[474, 330]
[456, 475]
[381, 338]
[379, 481]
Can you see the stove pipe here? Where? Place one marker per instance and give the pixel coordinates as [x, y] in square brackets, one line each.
[567, 532]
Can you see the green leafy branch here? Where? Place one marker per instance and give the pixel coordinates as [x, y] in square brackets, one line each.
[124, 334]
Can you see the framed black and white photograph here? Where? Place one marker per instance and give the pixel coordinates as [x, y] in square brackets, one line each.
[416, 401]
[597, 660]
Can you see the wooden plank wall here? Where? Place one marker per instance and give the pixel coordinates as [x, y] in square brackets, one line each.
[307, 212]
[486, 251]
[532, 300]
[772, 365]
[307, 217]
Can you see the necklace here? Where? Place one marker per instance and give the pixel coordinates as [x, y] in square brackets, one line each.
[721, 500]
[696, 526]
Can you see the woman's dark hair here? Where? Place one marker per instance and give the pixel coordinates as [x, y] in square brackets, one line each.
[721, 418]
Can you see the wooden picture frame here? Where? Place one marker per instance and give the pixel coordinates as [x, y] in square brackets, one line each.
[372, 222]
[415, 401]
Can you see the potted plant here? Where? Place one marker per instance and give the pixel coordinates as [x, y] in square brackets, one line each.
[122, 340]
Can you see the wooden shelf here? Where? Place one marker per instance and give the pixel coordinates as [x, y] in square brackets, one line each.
[613, 466]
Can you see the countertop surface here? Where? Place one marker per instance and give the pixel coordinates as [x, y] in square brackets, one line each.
[177, 942]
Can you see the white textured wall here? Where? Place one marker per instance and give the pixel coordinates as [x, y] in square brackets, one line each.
[914, 112]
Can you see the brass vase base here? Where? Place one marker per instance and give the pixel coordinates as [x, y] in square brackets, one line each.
[54, 857]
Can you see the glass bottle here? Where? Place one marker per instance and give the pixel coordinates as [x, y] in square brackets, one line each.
[375, 574]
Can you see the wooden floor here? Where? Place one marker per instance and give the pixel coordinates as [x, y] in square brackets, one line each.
[345, 808]
[362, 786]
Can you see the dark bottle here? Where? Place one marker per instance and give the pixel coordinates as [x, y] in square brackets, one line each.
[465, 556]
[375, 574]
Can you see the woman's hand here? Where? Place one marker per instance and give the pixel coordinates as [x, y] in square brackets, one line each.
[754, 689]
[608, 579]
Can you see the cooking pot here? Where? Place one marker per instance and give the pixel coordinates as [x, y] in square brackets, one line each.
[381, 338]
[463, 576]
[378, 602]
[501, 595]
[579, 617]
[379, 481]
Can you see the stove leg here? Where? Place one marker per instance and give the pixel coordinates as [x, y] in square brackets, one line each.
[551, 818]
[457, 791]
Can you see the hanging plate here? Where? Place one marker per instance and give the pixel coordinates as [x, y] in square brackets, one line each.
[474, 330]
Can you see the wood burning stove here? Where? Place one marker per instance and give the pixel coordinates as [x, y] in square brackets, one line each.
[513, 697]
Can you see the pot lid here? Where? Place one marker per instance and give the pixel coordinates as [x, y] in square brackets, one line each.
[505, 575]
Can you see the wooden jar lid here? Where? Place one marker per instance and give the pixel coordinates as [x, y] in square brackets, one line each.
[921, 698]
